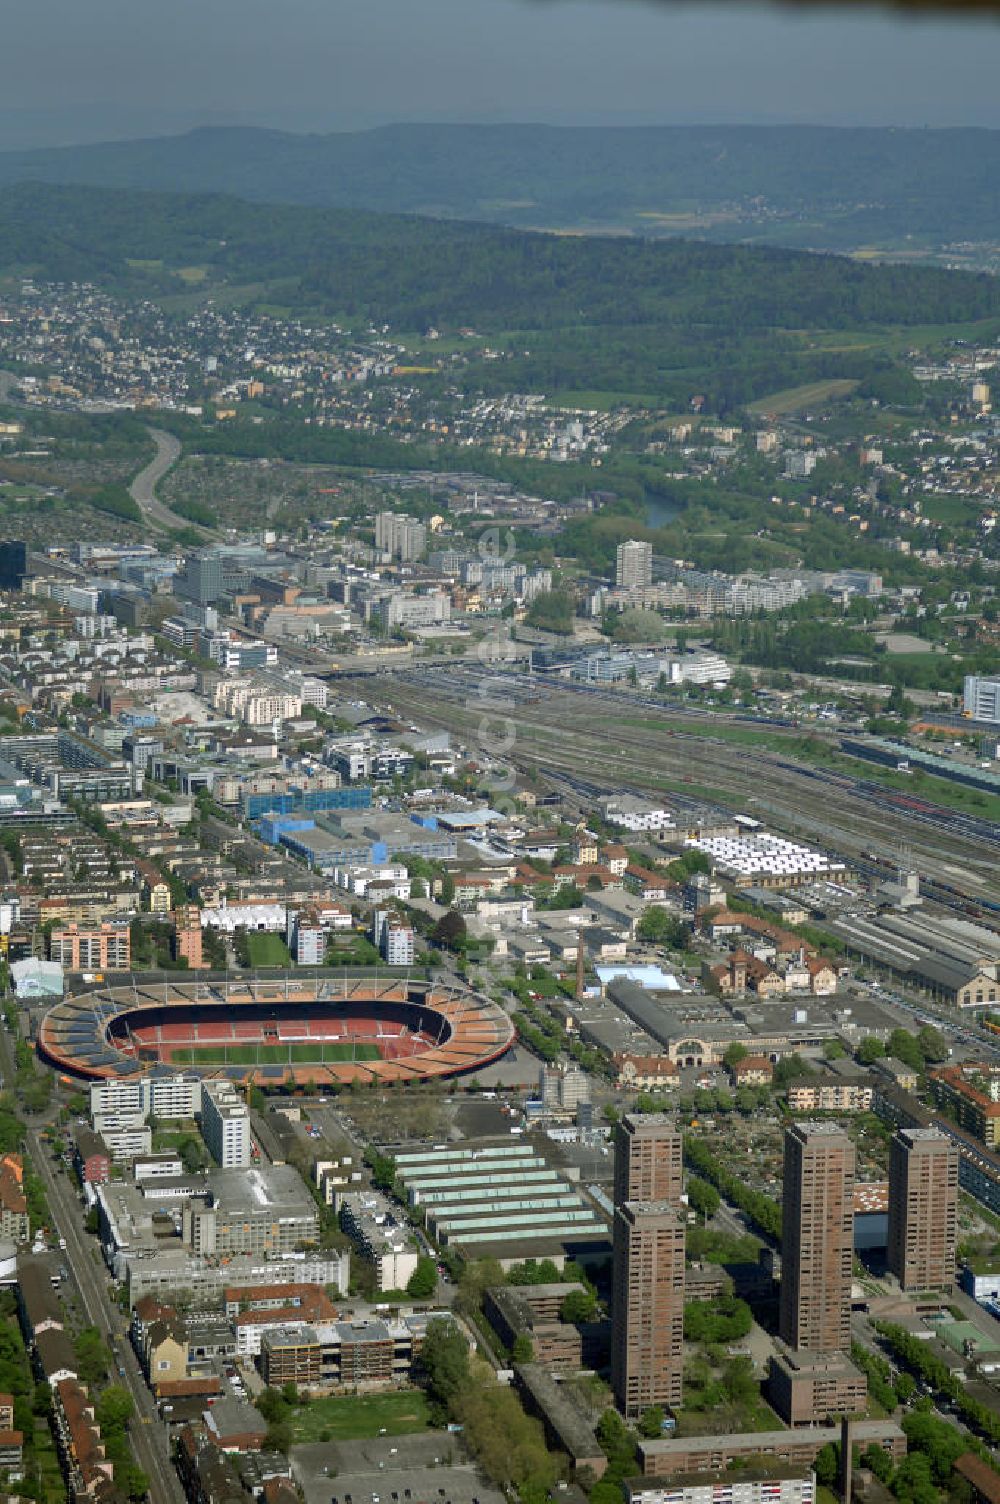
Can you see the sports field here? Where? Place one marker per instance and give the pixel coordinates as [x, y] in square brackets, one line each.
[268, 950]
[271, 1054]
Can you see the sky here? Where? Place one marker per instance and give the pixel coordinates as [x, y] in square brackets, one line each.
[79, 70]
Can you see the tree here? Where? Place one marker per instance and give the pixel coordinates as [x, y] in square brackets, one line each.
[703, 1197]
[651, 1422]
[578, 1306]
[869, 1050]
[735, 1052]
[827, 1464]
[113, 1408]
[932, 1044]
[92, 1356]
[833, 1049]
[789, 1067]
[423, 1281]
[905, 1046]
[450, 932]
[658, 927]
[444, 1362]
[878, 1462]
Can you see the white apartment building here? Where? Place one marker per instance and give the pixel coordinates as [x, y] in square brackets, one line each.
[306, 937]
[981, 699]
[393, 937]
[225, 1125]
[403, 537]
[634, 565]
[772, 1483]
[131, 1099]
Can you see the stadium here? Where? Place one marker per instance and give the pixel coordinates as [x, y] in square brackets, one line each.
[320, 1030]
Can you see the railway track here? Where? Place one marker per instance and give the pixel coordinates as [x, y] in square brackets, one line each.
[560, 732]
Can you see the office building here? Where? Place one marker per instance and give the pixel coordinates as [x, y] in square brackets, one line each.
[13, 565]
[817, 1238]
[647, 1158]
[647, 1328]
[252, 1211]
[201, 580]
[981, 699]
[923, 1208]
[634, 565]
[225, 1125]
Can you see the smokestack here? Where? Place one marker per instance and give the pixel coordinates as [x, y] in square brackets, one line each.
[845, 1459]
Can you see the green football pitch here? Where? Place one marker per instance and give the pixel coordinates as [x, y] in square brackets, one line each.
[272, 1054]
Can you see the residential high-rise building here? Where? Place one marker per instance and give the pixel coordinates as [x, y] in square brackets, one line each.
[923, 1208]
[403, 537]
[225, 1125]
[981, 698]
[634, 565]
[817, 1238]
[647, 1327]
[187, 935]
[647, 1158]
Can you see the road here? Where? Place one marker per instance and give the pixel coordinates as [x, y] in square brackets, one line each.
[148, 1434]
[143, 488]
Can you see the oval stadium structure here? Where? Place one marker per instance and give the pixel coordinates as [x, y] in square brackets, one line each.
[317, 1030]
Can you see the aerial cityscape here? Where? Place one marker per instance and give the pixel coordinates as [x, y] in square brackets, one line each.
[499, 756]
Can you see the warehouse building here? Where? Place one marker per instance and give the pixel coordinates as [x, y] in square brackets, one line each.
[500, 1200]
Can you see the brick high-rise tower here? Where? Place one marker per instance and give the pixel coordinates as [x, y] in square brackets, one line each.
[923, 1208]
[647, 1158]
[647, 1327]
[817, 1238]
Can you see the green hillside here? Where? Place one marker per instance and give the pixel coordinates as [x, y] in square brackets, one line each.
[812, 186]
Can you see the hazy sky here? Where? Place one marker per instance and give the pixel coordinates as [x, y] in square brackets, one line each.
[83, 69]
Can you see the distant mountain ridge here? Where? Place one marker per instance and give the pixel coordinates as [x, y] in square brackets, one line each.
[808, 186]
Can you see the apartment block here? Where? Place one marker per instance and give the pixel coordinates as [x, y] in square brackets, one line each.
[647, 1158]
[923, 1208]
[817, 1238]
[225, 1125]
[647, 1329]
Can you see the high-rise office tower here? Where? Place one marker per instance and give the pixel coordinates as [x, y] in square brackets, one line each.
[923, 1208]
[647, 1327]
[817, 1238]
[634, 565]
[647, 1158]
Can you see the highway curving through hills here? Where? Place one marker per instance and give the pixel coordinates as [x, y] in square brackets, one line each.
[143, 487]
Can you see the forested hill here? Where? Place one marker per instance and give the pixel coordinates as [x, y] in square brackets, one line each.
[819, 187]
[411, 273]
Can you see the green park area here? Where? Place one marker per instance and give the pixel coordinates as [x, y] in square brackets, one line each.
[268, 950]
[352, 1417]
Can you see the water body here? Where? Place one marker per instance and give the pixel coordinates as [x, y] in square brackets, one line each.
[660, 512]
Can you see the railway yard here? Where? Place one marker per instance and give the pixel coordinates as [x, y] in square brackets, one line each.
[583, 741]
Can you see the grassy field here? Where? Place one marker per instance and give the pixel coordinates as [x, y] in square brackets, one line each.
[811, 395]
[268, 950]
[273, 1054]
[961, 509]
[352, 1417]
